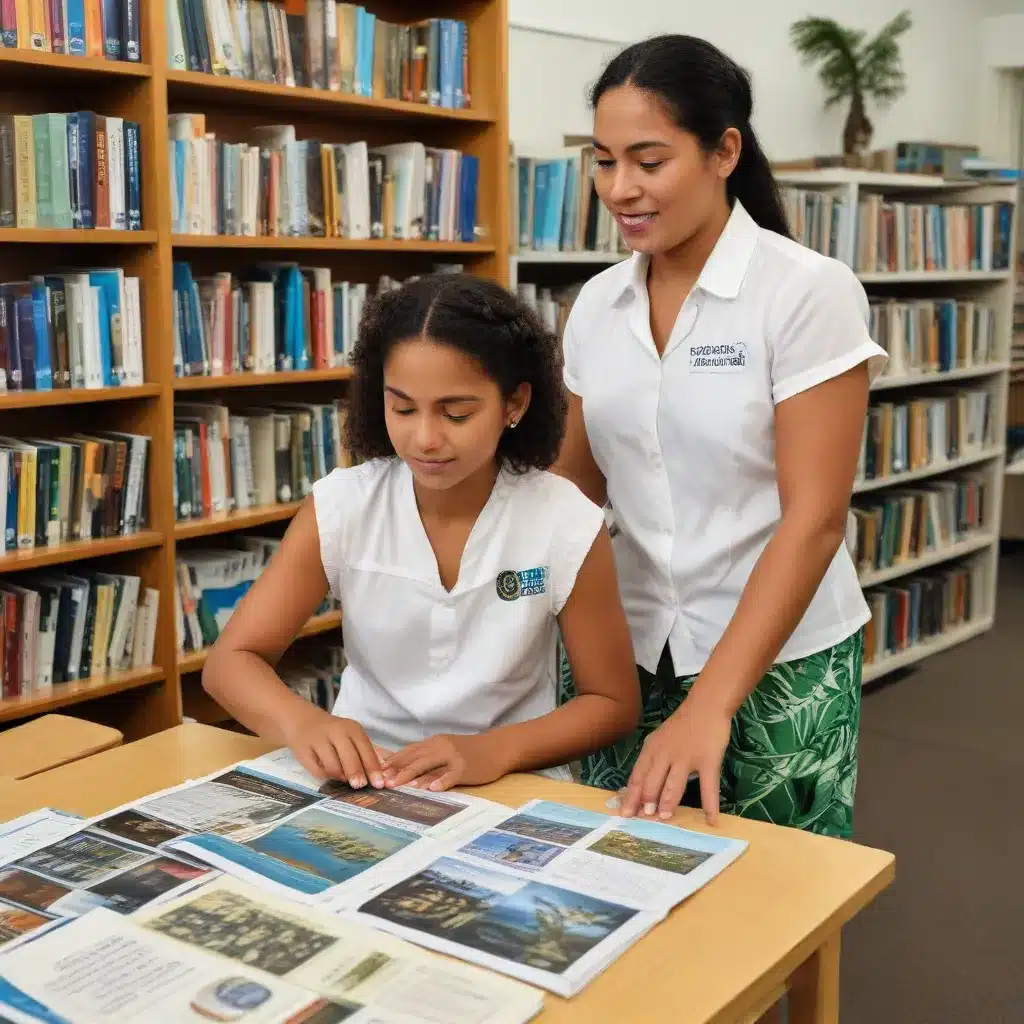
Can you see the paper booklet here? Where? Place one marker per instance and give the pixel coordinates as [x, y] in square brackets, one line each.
[269, 822]
[227, 952]
[551, 894]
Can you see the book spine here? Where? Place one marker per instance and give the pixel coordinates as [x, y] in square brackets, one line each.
[7, 178]
[101, 175]
[112, 29]
[133, 176]
[76, 27]
[86, 161]
[131, 42]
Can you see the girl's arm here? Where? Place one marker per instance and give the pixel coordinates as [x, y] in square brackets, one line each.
[817, 444]
[575, 458]
[607, 705]
[239, 672]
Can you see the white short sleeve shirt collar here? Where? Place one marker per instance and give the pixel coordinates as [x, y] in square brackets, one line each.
[686, 439]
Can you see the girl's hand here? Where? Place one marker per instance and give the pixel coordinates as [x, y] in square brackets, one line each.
[334, 748]
[441, 762]
[694, 739]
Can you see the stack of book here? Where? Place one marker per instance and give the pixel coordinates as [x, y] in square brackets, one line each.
[226, 460]
[908, 524]
[555, 206]
[81, 28]
[279, 185]
[920, 608]
[77, 170]
[210, 582]
[901, 437]
[71, 330]
[341, 47]
[933, 335]
[79, 487]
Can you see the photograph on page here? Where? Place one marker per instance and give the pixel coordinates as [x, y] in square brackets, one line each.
[236, 803]
[106, 970]
[548, 935]
[395, 981]
[650, 865]
[76, 873]
[405, 807]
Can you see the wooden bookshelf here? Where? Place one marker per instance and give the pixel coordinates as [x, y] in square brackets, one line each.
[147, 700]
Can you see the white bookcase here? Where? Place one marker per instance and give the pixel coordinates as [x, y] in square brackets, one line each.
[992, 289]
[859, 194]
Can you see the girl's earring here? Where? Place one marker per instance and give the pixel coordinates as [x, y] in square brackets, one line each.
[513, 424]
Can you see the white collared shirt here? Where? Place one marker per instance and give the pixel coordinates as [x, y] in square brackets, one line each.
[686, 440]
[423, 660]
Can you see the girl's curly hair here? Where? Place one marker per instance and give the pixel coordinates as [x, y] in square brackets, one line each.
[486, 322]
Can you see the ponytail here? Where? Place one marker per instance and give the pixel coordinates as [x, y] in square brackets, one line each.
[754, 185]
[706, 93]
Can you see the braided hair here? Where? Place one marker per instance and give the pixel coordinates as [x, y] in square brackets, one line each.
[485, 322]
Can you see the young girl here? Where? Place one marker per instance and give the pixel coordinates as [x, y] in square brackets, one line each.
[457, 558]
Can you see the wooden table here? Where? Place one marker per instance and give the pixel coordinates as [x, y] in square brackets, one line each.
[51, 741]
[770, 923]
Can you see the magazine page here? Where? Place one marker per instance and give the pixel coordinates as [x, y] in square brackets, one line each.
[19, 835]
[433, 813]
[551, 894]
[104, 969]
[556, 937]
[396, 982]
[84, 868]
[308, 844]
[646, 864]
[19, 1008]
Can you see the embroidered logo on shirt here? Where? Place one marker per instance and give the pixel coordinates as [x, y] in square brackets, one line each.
[525, 583]
[718, 358]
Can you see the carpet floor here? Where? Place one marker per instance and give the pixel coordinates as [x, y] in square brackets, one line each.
[941, 785]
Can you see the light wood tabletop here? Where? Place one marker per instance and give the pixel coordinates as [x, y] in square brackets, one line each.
[770, 922]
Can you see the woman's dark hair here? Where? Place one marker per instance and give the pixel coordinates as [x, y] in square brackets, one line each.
[705, 92]
[486, 322]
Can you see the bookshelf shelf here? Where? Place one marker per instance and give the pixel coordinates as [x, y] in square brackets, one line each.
[195, 660]
[74, 236]
[329, 244]
[146, 95]
[66, 694]
[75, 396]
[199, 87]
[936, 469]
[16, 64]
[252, 380]
[912, 655]
[923, 379]
[968, 546]
[76, 550]
[934, 276]
[225, 522]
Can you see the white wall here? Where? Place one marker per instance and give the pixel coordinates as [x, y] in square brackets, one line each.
[549, 74]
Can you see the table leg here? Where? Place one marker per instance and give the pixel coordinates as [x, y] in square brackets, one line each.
[814, 991]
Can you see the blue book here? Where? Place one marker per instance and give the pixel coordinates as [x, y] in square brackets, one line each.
[43, 330]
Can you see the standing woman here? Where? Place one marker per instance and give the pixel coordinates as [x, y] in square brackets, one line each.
[718, 387]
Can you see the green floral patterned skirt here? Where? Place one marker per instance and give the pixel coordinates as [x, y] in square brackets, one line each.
[792, 756]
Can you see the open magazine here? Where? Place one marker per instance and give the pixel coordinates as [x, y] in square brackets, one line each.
[227, 952]
[551, 894]
[267, 821]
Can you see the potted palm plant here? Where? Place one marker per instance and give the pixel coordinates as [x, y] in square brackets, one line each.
[854, 68]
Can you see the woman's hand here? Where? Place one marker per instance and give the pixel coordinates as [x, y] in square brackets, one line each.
[694, 739]
[333, 748]
[443, 761]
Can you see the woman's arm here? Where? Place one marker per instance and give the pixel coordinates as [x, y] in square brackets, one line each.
[239, 672]
[607, 705]
[818, 436]
[575, 459]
